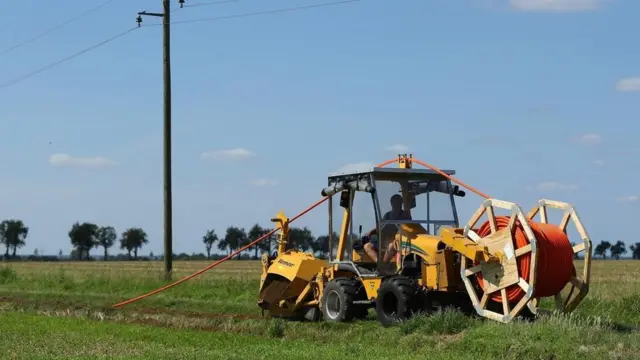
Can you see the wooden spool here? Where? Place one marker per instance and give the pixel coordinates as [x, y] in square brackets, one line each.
[571, 300]
[497, 277]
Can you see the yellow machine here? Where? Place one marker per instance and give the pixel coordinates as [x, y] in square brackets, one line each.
[414, 256]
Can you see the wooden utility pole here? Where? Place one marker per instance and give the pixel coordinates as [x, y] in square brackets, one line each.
[168, 206]
[166, 62]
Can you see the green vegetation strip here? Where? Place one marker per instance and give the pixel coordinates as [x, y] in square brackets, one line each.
[446, 335]
[66, 313]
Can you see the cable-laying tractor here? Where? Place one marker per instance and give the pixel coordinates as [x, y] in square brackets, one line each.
[414, 256]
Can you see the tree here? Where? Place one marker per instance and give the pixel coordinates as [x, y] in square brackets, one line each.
[635, 251]
[133, 239]
[618, 249]
[234, 239]
[322, 244]
[255, 233]
[83, 238]
[268, 245]
[13, 234]
[602, 248]
[224, 245]
[301, 238]
[209, 239]
[106, 237]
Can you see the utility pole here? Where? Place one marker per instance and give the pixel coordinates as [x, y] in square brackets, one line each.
[166, 54]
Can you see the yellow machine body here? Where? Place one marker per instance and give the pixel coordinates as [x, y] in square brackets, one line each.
[285, 279]
[430, 266]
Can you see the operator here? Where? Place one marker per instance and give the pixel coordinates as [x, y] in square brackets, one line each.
[389, 230]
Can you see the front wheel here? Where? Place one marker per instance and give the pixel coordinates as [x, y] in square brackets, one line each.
[337, 300]
[397, 300]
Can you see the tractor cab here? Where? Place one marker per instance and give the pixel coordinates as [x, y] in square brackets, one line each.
[374, 204]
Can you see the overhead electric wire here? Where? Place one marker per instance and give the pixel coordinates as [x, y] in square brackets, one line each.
[61, 61]
[266, 12]
[210, 3]
[49, 31]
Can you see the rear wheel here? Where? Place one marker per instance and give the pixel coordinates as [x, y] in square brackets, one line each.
[337, 300]
[397, 300]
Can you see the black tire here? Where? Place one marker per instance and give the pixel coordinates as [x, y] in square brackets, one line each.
[397, 300]
[337, 300]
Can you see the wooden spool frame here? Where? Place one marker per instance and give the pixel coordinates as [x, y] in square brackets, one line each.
[504, 238]
[569, 303]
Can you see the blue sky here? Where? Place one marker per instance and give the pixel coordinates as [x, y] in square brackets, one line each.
[525, 99]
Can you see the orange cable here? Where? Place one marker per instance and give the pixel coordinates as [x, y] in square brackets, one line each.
[555, 260]
[468, 187]
[211, 266]
[547, 236]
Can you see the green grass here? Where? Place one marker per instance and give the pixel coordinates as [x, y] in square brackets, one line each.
[64, 309]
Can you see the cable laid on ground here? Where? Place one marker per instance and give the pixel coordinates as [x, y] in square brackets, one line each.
[211, 266]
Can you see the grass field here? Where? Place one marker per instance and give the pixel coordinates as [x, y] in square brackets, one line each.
[62, 310]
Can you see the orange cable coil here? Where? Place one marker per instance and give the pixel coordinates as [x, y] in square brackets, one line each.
[555, 259]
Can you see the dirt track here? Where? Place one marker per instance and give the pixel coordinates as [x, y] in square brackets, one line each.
[74, 305]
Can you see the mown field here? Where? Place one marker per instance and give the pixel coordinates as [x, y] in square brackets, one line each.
[63, 310]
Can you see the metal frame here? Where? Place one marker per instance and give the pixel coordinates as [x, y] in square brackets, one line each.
[331, 217]
[391, 171]
[429, 215]
[453, 205]
[338, 182]
[428, 221]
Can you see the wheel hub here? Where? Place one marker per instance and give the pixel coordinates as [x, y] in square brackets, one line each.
[333, 304]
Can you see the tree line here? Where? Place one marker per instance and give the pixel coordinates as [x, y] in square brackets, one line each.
[616, 250]
[86, 236]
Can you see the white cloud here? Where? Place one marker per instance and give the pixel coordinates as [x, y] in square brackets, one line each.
[589, 139]
[556, 5]
[629, 84]
[553, 186]
[398, 148]
[228, 154]
[68, 160]
[361, 166]
[632, 198]
[599, 163]
[264, 182]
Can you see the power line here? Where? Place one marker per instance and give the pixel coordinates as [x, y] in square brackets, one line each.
[296, 8]
[49, 31]
[217, 2]
[56, 63]
[211, 3]
[104, 42]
